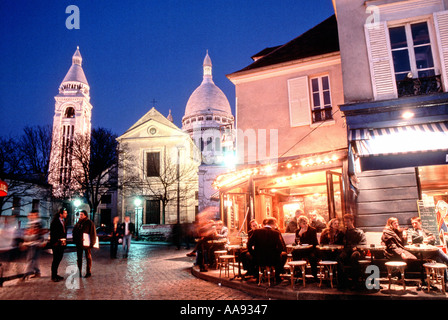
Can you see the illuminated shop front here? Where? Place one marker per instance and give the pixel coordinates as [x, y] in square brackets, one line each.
[398, 155]
[308, 182]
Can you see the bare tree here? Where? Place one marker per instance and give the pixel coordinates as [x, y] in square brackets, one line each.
[96, 158]
[23, 165]
[35, 148]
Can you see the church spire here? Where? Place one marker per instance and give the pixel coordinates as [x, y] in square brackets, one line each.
[207, 65]
[77, 58]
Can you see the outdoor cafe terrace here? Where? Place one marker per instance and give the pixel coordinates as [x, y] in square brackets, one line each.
[374, 284]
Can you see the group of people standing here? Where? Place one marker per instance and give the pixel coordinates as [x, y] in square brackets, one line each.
[34, 242]
[121, 232]
[84, 238]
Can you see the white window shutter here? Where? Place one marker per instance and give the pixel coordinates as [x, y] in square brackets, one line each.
[381, 63]
[299, 102]
[441, 25]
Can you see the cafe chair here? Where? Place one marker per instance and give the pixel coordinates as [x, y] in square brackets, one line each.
[224, 263]
[301, 264]
[399, 266]
[435, 272]
[266, 272]
[326, 271]
[219, 253]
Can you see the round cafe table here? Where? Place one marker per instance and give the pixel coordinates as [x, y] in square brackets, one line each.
[298, 246]
[422, 252]
[375, 250]
[329, 251]
[330, 247]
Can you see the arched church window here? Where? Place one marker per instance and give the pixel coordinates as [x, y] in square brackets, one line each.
[209, 144]
[218, 143]
[201, 144]
[69, 112]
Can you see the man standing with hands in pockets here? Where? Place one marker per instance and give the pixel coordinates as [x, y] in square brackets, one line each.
[58, 238]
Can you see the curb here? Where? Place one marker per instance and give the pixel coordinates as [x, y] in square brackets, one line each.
[311, 293]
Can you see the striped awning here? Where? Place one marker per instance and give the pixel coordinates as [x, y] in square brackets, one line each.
[401, 139]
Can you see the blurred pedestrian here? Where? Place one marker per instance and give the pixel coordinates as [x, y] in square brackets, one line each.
[58, 242]
[84, 236]
[115, 236]
[33, 242]
[128, 231]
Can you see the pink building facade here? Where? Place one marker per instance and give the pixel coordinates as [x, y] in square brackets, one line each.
[291, 138]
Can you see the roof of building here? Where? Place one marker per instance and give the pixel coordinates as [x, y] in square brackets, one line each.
[207, 98]
[76, 73]
[319, 40]
[155, 115]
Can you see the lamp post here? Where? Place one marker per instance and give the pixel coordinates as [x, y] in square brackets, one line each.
[137, 204]
[77, 203]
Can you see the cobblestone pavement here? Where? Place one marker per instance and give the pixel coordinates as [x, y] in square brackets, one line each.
[151, 272]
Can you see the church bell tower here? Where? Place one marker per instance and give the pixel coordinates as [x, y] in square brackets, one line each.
[72, 120]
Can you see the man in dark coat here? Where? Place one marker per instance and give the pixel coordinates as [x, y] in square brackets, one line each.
[84, 226]
[266, 246]
[58, 238]
[351, 255]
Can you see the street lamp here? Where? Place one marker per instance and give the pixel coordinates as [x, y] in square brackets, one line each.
[137, 204]
[77, 203]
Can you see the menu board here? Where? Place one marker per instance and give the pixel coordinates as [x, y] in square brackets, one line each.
[428, 215]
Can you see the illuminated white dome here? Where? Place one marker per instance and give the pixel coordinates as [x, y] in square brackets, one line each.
[207, 99]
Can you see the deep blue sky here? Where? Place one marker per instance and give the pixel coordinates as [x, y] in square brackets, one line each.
[134, 51]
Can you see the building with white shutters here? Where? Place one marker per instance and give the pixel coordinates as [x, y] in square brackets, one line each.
[394, 57]
[291, 141]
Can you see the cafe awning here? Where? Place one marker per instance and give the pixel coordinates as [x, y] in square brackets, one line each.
[395, 147]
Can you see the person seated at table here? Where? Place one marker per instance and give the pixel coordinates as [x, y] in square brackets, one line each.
[332, 234]
[206, 234]
[317, 221]
[350, 255]
[420, 235]
[253, 226]
[292, 225]
[306, 234]
[246, 258]
[222, 232]
[267, 248]
[393, 239]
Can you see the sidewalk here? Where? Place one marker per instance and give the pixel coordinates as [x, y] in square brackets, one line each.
[312, 291]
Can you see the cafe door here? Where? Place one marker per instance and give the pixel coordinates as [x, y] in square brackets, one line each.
[334, 194]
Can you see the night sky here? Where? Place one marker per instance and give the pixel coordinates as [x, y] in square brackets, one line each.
[134, 52]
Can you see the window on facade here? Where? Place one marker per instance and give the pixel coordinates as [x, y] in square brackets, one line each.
[16, 205]
[153, 164]
[106, 198]
[35, 204]
[411, 51]
[321, 100]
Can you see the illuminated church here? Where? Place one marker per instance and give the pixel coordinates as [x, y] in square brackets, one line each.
[72, 119]
[209, 121]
